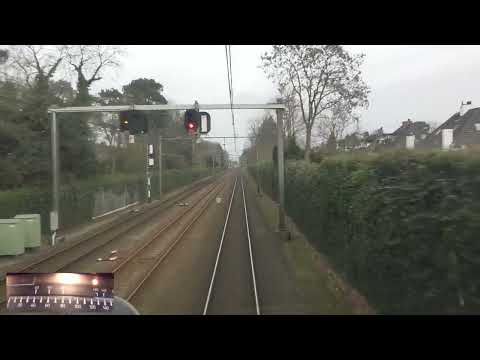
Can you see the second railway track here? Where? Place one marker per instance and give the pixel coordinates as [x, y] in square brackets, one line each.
[150, 256]
[232, 284]
[66, 256]
[200, 259]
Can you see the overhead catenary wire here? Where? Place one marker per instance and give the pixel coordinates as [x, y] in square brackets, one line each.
[231, 93]
[228, 55]
[230, 84]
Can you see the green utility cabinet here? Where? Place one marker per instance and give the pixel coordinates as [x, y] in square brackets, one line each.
[12, 235]
[33, 230]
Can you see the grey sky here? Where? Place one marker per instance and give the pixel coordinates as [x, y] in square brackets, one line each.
[423, 83]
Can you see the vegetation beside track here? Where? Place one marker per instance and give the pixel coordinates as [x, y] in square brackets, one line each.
[402, 227]
[322, 291]
[77, 199]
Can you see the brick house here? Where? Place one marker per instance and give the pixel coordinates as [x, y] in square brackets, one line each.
[410, 134]
[461, 130]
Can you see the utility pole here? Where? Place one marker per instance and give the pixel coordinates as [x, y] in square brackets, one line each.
[159, 157]
[156, 140]
[213, 162]
[194, 137]
[256, 166]
[150, 154]
[193, 150]
[147, 174]
[225, 152]
[55, 177]
[281, 173]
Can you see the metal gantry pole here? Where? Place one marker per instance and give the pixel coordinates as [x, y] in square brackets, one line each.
[55, 177]
[196, 106]
[160, 185]
[256, 166]
[193, 151]
[281, 172]
[146, 138]
[54, 214]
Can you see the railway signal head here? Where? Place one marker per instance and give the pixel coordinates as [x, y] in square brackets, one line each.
[197, 122]
[133, 121]
[123, 123]
[192, 121]
[191, 125]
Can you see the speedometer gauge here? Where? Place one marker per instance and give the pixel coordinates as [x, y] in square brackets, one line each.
[60, 292]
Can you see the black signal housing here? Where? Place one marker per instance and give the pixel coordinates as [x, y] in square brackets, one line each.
[192, 121]
[133, 121]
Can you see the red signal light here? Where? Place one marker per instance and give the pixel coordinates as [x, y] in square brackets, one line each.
[191, 121]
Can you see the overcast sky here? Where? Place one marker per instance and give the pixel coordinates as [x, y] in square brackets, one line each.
[423, 83]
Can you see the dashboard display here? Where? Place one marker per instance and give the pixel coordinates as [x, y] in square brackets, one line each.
[60, 292]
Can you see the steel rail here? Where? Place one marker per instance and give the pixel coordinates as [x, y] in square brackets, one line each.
[150, 212]
[167, 226]
[257, 305]
[207, 301]
[171, 246]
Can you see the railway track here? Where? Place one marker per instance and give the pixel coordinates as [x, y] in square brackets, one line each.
[253, 283]
[134, 270]
[243, 262]
[139, 266]
[75, 251]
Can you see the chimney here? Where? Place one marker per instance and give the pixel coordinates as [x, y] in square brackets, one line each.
[465, 107]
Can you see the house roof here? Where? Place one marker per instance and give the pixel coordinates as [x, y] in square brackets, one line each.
[464, 129]
[411, 128]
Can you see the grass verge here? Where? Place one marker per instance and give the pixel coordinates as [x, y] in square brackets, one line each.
[323, 290]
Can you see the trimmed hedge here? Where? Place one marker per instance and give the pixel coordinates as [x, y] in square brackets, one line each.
[77, 200]
[402, 227]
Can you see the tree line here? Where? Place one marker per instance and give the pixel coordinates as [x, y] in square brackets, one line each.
[36, 77]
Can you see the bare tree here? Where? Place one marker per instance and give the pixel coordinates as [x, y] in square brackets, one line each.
[35, 64]
[89, 63]
[262, 136]
[287, 97]
[254, 125]
[3, 56]
[320, 76]
[334, 124]
[33, 68]
[105, 125]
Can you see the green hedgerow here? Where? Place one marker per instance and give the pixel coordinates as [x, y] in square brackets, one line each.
[401, 226]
